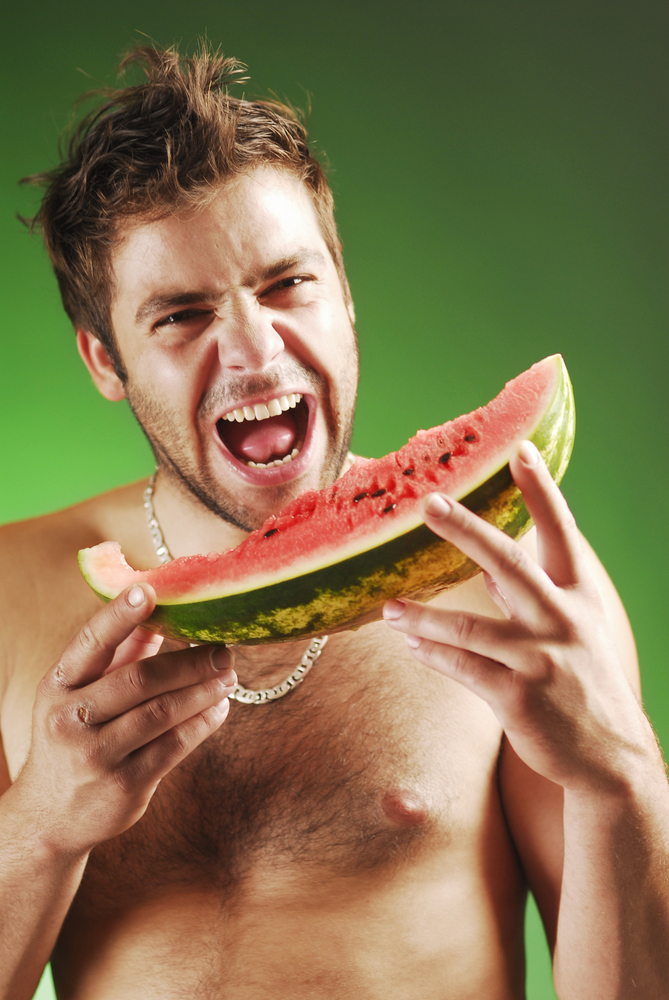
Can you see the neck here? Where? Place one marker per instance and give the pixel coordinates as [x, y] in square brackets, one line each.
[187, 526]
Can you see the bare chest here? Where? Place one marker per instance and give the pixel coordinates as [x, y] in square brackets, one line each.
[371, 761]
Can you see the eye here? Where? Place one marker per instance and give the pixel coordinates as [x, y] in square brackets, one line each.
[287, 284]
[291, 282]
[183, 316]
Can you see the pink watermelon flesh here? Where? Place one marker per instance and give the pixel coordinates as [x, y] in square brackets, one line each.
[376, 499]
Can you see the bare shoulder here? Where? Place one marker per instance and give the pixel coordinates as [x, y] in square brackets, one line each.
[40, 585]
[33, 553]
[31, 548]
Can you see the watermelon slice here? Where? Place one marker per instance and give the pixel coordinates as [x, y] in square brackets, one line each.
[328, 560]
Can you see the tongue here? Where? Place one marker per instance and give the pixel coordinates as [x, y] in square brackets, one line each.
[262, 440]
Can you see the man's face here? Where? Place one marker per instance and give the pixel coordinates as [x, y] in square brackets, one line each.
[232, 312]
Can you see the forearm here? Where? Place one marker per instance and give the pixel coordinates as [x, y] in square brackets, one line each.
[37, 886]
[613, 928]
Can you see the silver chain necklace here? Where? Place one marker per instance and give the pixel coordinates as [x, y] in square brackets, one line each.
[246, 696]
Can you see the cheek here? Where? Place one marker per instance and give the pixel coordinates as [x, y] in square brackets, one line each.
[322, 335]
[339, 357]
[170, 379]
[345, 364]
[159, 397]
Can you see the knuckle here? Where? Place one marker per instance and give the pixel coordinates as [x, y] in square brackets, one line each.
[58, 677]
[137, 678]
[513, 558]
[463, 627]
[85, 715]
[459, 661]
[51, 684]
[58, 723]
[159, 709]
[68, 723]
[125, 777]
[545, 662]
[178, 744]
[88, 640]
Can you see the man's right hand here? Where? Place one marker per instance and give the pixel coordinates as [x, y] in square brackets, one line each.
[110, 720]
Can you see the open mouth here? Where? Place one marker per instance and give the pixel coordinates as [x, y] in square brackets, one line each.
[268, 434]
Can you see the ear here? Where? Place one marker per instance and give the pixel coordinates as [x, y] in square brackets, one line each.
[348, 299]
[98, 362]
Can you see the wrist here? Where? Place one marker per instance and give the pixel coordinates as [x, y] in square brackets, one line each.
[28, 824]
[634, 784]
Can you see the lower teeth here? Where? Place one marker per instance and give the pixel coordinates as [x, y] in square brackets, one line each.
[278, 461]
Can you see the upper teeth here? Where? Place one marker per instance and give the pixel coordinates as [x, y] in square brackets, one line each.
[261, 411]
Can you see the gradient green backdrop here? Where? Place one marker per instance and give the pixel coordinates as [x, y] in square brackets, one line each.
[499, 169]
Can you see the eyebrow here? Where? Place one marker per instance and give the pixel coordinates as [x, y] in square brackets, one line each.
[172, 300]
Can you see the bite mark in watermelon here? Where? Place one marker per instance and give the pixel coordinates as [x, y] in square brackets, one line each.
[330, 558]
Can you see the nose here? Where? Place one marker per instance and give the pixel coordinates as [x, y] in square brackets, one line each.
[247, 339]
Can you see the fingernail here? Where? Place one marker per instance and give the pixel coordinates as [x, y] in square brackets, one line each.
[413, 640]
[529, 453]
[393, 609]
[229, 678]
[437, 505]
[135, 597]
[222, 658]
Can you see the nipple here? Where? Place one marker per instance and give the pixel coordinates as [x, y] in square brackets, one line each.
[404, 808]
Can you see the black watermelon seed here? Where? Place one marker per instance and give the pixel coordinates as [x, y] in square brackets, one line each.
[391, 506]
[379, 493]
[360, 496]
[445, 458]
[272, 531]
[470, 437]
[408, 472]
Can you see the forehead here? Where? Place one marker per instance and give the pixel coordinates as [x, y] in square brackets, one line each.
[254, 218]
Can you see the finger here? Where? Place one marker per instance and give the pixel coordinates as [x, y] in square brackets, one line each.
[162, 754]
[460, 629]
[559, 544]
[122, 690]
[150, 720]
[522, 581]
[484, 677]
[94, 647]
[138, 646]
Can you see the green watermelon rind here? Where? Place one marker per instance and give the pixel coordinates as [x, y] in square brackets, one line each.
[351, 592]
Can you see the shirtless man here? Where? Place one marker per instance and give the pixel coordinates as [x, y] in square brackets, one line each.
[373, 834]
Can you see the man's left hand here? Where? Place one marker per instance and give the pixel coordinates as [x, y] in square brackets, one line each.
[551, 671]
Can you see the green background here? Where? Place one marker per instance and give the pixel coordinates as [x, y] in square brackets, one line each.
[499, 170]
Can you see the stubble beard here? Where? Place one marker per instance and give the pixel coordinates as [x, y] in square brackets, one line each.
[197, 480]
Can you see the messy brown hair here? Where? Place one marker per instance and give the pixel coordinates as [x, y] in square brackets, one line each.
[162, 145]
